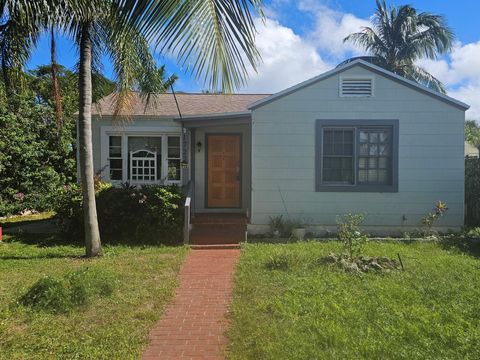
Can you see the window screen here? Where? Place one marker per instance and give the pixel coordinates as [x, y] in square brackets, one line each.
[338, 156]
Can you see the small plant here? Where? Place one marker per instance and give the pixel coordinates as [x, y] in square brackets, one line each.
[284, 227]
[276, 225]
[431, 218]
[280, 260]
[350, 235]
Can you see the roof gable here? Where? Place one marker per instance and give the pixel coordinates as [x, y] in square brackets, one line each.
[371, 67]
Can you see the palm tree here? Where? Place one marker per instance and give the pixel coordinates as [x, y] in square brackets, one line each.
[214, 39]
[400, 36]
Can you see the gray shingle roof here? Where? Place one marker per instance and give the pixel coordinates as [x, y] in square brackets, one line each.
[190, 104]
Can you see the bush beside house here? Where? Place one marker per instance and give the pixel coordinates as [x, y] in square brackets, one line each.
[151, 214]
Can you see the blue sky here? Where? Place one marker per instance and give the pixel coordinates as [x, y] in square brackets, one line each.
[300, 39]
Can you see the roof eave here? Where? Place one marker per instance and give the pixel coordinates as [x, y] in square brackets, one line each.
[233, 118]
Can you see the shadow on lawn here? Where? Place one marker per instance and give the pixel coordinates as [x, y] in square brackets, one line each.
[41, 257]
[463, 244]
[60, 239]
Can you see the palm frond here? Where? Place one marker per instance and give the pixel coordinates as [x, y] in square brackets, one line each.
[212, 39]
[134, 65]
[423, 77]
[400, 36]
[369, 40]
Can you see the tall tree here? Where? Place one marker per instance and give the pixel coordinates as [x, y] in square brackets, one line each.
[56, 93]
[98, 27]
[400, 36]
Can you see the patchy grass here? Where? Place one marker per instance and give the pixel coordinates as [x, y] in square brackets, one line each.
[113, 327]
[289, 305]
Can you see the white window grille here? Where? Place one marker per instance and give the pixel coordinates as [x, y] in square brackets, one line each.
[143, 166]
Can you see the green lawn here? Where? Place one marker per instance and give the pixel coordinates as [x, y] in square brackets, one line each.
[114, 327]
[312, 311]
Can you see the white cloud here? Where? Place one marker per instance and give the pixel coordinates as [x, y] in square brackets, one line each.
[331, 27]
[469, 94]
[460, 72]
[287, 59]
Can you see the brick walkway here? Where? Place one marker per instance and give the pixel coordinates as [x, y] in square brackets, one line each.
[194, 323]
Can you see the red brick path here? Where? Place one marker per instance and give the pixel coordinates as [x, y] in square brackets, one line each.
[194, 323]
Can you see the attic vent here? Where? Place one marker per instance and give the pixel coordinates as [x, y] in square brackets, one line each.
[356, 87]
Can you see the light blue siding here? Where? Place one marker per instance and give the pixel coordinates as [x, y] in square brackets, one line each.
[431, 159]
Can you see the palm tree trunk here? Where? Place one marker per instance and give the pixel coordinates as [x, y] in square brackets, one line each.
[92, 234]
[57, 99]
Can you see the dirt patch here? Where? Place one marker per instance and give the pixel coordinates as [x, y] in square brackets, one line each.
[362, 263]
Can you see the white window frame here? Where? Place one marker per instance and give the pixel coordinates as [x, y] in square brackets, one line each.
[356, 77]
[132, 131]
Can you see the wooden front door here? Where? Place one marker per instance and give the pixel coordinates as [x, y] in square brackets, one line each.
[223, 172]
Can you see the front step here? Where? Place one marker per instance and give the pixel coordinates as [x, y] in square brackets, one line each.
[216, 247]
[217, 229]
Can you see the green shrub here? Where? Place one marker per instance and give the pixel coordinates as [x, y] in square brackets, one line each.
[77, 288]
[49, 294]
[151, 214]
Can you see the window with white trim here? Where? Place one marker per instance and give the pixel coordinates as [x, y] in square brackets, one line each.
[357, 155]
[144, 159]
[115, 159]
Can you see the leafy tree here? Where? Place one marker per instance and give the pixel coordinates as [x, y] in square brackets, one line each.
[400, 36]
[472, 132]
[35, 158]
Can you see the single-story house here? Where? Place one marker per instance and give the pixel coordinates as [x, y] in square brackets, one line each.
[357, 139]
